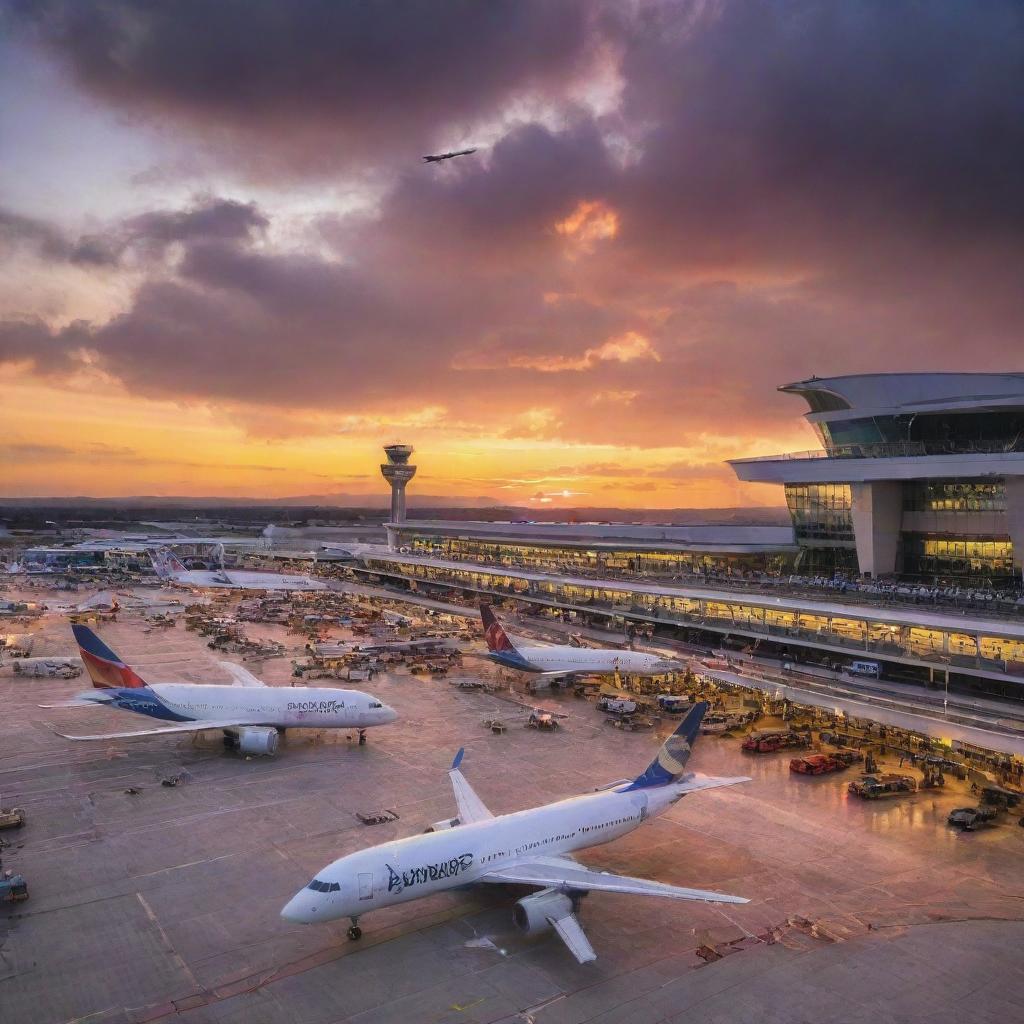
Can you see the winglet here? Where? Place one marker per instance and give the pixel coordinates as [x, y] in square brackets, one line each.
[458, 758]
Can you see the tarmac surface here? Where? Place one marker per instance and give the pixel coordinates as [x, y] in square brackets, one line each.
[164, 905]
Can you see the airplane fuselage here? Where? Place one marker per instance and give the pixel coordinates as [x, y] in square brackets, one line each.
[582, 659]
[421, 865]
[280, 707]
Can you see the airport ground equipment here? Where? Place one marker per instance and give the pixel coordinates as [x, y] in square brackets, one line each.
[818, 764]
[872, 787]
[543, 721]
[725, 721]
[13, 888]
[11, 817]
[767, 741]
[967, 819]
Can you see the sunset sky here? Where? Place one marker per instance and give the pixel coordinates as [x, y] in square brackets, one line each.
[227, 271]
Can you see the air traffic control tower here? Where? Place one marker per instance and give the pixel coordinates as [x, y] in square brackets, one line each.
[398, 473]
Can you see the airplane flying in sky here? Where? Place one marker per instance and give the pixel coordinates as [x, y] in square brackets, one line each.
[171, 570]
[249, 712]
[531, 847]
[558, 659]
[436, 158]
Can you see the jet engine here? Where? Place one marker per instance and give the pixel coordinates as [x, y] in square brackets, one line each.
[531, 914]
[254, 740]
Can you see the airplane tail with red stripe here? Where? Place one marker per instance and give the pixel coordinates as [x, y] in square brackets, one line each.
[106, 670]
[495, 635]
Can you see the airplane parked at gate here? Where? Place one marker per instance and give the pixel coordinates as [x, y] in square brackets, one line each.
[531, 847]
[560, 660]
[250, 713]
[171, 570]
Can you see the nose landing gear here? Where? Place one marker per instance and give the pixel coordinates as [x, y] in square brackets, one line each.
[355, 933]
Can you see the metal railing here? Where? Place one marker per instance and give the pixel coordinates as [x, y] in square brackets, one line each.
[898, 449]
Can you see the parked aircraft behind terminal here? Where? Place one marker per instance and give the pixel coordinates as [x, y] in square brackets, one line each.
[557, 660]
[250, 713]
[171, 570]
[531, 847]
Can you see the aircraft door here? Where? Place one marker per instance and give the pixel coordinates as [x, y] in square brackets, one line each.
[366, 885]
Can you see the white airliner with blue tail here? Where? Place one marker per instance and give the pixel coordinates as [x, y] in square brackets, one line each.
[532, 848]
[250, 713]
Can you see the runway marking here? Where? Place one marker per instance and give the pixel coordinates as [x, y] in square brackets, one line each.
[168, 944]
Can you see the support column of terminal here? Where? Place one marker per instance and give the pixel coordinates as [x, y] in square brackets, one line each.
[1015, 520]
[877, 512]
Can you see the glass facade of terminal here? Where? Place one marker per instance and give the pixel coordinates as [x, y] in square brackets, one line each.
[850, 632]
[954, 496]
[925, 434]
[606, 560]
[821, 513]
[977, 559]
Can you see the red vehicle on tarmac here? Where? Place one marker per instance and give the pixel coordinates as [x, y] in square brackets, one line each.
[770, 740]
[818, 764]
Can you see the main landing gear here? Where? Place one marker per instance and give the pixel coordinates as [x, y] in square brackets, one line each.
[355, 933]
[362, 739]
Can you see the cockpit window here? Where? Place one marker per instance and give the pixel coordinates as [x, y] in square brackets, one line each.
[376, 704]
[317, 886]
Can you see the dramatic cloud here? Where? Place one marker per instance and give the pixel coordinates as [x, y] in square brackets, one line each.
[315, 84]
[676, 207]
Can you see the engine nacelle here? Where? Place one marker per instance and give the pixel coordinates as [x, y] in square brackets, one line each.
[440, 826]
[531, 913]
[255, 740]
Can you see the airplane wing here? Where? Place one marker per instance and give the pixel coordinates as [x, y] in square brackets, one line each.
[183, 727]
[471, 807]
[242, 676]
[73, 704]
[562, 873]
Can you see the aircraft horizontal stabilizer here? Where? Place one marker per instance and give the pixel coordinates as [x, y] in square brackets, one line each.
[183, 727]
[565, 875]
[571, 933]
[695, 783]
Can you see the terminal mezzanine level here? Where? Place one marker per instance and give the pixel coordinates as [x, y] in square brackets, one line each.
[962, 644]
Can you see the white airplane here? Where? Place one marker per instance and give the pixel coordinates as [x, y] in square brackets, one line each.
[171, 570]
[104, 601]
[559, 660]
[251, 717]
[531, 847]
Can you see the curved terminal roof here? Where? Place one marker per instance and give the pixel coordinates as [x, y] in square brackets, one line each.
[889, 394]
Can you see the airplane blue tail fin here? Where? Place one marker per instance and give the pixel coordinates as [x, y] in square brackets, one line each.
[670, 764]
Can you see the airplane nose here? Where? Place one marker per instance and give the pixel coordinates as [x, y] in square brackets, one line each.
[390, 714]
[300, 909]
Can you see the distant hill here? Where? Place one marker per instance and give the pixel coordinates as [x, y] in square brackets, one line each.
[374, 501]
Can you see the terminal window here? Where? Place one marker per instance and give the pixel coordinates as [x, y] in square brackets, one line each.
[821, 512]
[957, 558]
[954, 496]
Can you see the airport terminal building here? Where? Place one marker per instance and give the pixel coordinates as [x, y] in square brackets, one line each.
[919, 484]
[920, 475]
